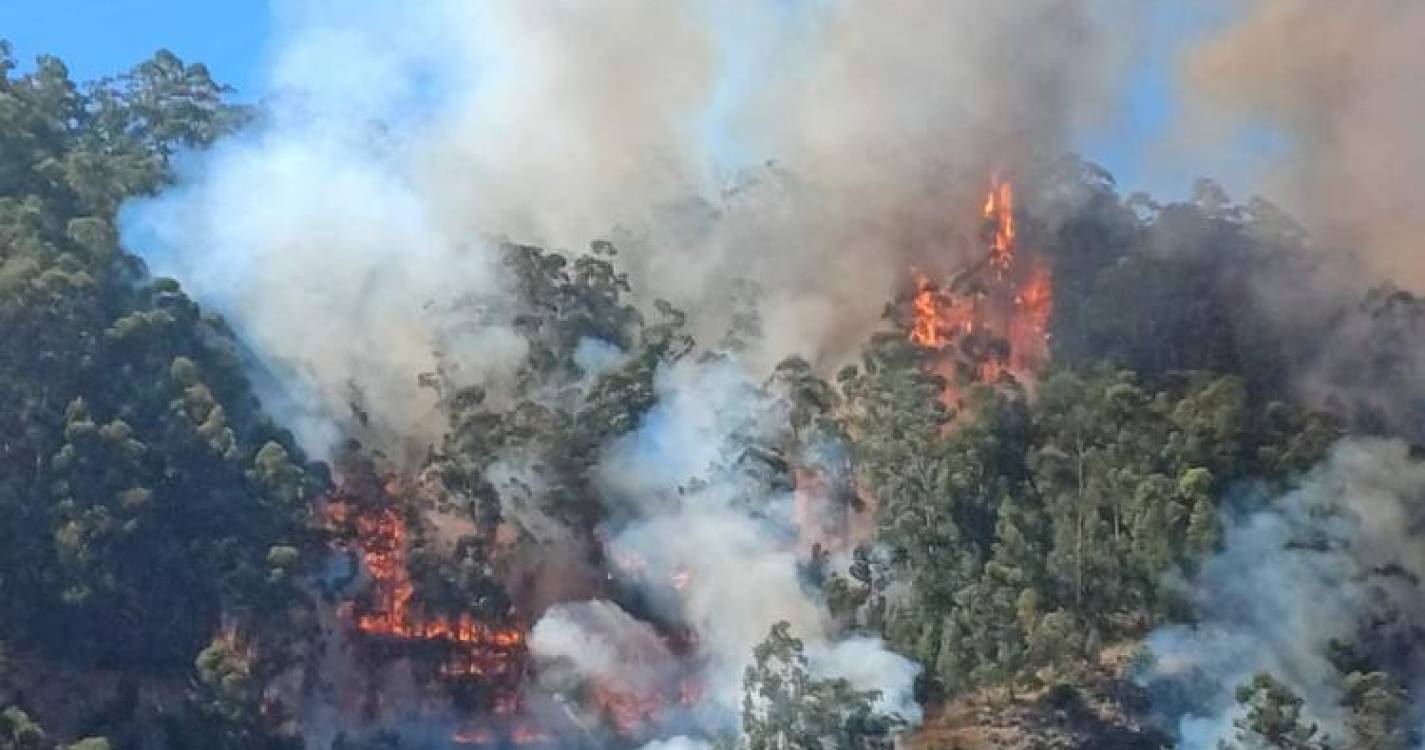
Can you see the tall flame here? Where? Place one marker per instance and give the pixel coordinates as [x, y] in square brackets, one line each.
[477, 648]
[1029, 327]
[926, 325]
[470, 650]
[992, 323]
[999, 208]
[938, 317]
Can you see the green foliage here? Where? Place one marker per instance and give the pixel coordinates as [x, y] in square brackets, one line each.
[1378, 707]
[786, 708]
[132, 443]
[227, 706]
[1033, 531]
[145, 498]
[19, 732]
[225, 677]
[559, 414]
[1272, 718]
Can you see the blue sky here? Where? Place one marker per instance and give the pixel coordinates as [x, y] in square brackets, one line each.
[101, 37]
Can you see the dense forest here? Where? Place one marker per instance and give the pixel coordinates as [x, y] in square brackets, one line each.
[177, 572]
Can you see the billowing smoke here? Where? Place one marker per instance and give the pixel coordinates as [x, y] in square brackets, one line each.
[1339, 558]
[677, 743]
[1336, 85]
[400, 139]
[1313, 105]
[818, 147]
[712, 545]
[597, 640]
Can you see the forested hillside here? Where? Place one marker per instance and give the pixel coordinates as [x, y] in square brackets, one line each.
[1016, 539]
[149, 503]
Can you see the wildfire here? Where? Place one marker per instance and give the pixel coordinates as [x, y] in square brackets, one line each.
[381, 536]
[627, 711]
[470, 650]
[521, 734]
[999, 209]
[925, 328]
[1029, 327]
[994, 323]
[485, 662]
[938, 317]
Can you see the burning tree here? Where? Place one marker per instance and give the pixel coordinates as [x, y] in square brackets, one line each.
[471, 646]
[992, 317]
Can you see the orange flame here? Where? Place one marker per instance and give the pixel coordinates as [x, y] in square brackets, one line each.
[1029, 326]
[925, 326]
[1000, 327]
[627, 711]
[999, 208]
[472, 649]
[938, 318]
[381, 536]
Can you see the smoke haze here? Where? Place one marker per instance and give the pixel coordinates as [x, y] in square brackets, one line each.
[1337, 558]
[1338, 85]
[819, 147]
[401, 140]
[692, 505]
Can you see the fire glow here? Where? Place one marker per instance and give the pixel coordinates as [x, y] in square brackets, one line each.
[999, 208]
[992, 323]
[479, 649]
[494, 660]
[469, 650]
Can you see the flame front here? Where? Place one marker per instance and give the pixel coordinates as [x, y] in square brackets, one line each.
[982, 324]
[469, 650]
[938, 317]
[477, 649]
[999, 209]
[991, 319]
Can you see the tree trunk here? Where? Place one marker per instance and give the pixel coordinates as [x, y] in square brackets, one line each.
[1079, 532]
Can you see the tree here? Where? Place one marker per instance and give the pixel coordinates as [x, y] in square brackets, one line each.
[1378, 708]
[785, 708]
[560, 415]
[19, 732]
[229, 710]
[1272, 718]
[131, 441]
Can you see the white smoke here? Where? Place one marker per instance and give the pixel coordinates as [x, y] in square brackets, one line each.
[400, 139]
[689, 503]
[599, 641]
[818, 147]
[867, 665]
[1292, 576]
[678, 743]
[1334, 88]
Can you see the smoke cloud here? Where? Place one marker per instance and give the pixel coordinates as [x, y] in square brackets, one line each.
[677, 743]
[400, 140]
[715, 548]
[818, 147]
[1337, 85]
[1337, 558]
[599, 641]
